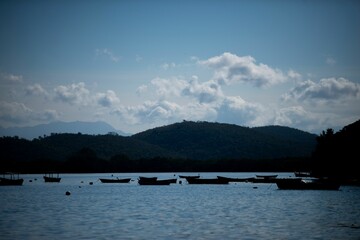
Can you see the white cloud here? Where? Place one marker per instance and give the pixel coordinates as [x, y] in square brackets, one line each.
[73, 94]
[107, 99]
[237, 111]
[107, 53]
[141, 89]
[168, 87]
[330, 61]
[325, 91]
[300, 118]
[37, 90]
[12, 78]
[14, 113]
[167, 66]
[230, 68]
[149, 112]
[294, 75]
[206, 92]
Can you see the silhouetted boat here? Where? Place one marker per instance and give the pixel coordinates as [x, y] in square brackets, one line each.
[156, 181]
[52, 177]
[207, 181]
[115, 180]
[186, 177]
[11, 179]
[147, 178]
[236, 179]
[266, 176]
[302, 174]
[300, 184]
[264, 179]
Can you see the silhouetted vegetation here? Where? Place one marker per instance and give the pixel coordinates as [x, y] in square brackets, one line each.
[186, 146]
[336, 154]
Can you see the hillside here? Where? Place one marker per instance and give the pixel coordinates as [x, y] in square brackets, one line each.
[204, 140]
[62, 146]
[186, 140]
[337, 154]
[60, 127]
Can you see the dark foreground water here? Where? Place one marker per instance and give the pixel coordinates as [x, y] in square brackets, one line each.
[39, 210]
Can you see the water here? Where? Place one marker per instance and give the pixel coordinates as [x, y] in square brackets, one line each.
[39, 210]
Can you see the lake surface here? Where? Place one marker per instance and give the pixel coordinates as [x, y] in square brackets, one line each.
[39, 210]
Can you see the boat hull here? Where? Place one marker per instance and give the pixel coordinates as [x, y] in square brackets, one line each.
[207, 181]
[123, 180]
[51, 179]
[296, 184]
[11, 182]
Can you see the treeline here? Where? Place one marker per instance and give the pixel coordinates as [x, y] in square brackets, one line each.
[86, 161]
[337, 154]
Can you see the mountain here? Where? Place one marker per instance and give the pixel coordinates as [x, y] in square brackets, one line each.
[60, 127]
[204, 140]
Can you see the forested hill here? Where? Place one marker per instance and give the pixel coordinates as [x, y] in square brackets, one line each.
[204, 140]
[185, 140]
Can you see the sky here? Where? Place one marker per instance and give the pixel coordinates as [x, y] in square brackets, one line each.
[142, 64]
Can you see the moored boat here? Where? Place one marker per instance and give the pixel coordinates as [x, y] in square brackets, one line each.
[115, 180]
[191, 176]
[11, 179]
[52, 177]
[157, 181]
[207, 181]
[236, 179]
[300, 184]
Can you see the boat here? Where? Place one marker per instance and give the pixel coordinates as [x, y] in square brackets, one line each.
[11, 179]
[52, 177]
[207, 181]
[313, 184]
[156, 181]
[186, 177]
[147, 178]
[266, 176]
[302, 174]
[115, 180]
[263, 179]
[236, 179]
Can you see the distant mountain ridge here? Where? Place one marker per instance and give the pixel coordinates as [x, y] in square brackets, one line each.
[98, 127]
[185, 140]
[205, 140]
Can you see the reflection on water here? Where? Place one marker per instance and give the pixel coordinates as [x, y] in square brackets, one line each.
[39, 210]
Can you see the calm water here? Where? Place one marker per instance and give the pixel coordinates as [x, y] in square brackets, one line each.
[39, 210]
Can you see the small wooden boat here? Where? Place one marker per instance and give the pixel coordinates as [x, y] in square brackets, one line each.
[147, 178]
[207, 181]
[186, 177]
[236, 179]
[157, 182]
[300, 184]
[52, 177]
[11, 179]
[266, 176]
[264, 179]
[115, 180]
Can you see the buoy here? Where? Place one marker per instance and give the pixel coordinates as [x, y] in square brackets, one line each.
[254, 187]
[67, 193]
[91, 183]
[30, 180]
[180, 182]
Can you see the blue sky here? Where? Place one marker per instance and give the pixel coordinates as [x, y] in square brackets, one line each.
[142, 64]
